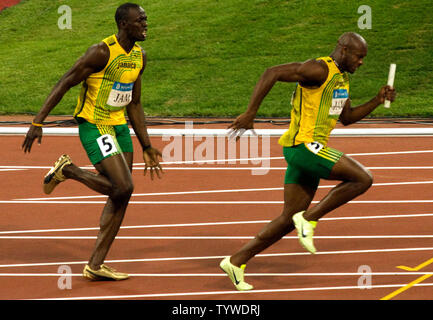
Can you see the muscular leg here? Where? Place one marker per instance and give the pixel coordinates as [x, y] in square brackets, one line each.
[296, 198]
[356, 180]
[95, 181]
[114, 179]
[119, 173]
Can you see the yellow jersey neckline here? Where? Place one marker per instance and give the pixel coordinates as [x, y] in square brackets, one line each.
[336, 65]
[123, 49]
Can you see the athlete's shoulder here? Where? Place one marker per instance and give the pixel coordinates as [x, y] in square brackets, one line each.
[318, 65]
[97, 56]
[330, 64]
[110, 40]
[325, 59]
[315, 72]
[99, 50]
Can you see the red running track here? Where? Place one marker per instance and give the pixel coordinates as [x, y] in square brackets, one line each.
[8, 3]
[172, 244]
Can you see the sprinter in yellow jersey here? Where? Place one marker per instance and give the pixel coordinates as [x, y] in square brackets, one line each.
[110, 73]
[320, 99]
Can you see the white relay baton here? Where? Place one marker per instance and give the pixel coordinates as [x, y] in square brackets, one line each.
[391, 77]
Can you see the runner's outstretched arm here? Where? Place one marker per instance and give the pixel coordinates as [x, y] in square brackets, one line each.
[92, 61]
[309, 73]
[138, 122]
[351, 115]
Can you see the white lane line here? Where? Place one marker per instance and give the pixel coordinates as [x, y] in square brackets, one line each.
[390, 216]
[207, 202]
[402, 168]
[397, 250]
[389, 153]
[218, 191]
[143, 226]
[283, 168]
[24, 167]
[167, 193]
[207, 293]
[174, 275]
[31, 167]
[217, 161]
[17, 168]
[209, 237]
[281, 158]
[200, 224]
[233, 160]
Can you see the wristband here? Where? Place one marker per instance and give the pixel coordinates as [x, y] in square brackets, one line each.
[37, 124]
[147, 147]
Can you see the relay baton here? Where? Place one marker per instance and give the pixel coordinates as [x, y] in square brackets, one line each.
[391, 77]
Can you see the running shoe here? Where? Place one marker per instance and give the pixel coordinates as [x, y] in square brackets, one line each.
[305, 231]
[103, 273]
[55, 175]
[236, 274]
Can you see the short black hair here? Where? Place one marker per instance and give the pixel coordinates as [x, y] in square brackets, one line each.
[123, 10]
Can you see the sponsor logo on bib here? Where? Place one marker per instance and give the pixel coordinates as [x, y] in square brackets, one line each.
[120, 95]
[339, 97]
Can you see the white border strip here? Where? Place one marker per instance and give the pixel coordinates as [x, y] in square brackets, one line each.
[224, 132]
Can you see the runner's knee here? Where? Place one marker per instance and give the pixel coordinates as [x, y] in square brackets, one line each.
[367, 179]
[364, 181]
[122, 191]
[352, 171]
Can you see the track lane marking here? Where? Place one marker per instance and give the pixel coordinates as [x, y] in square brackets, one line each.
[185, 294]
[273, 274]
[286, 254]
[411, 284]
[218, 191]
[406, 287]
[235, 159]
[216, 202]
[258, 167]
[418, 267]
[201, 224]
[210, 237]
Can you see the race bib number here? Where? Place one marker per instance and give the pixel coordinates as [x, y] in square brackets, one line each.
[339, 97]
[106, 145]
[120, 94]
[315, 147]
